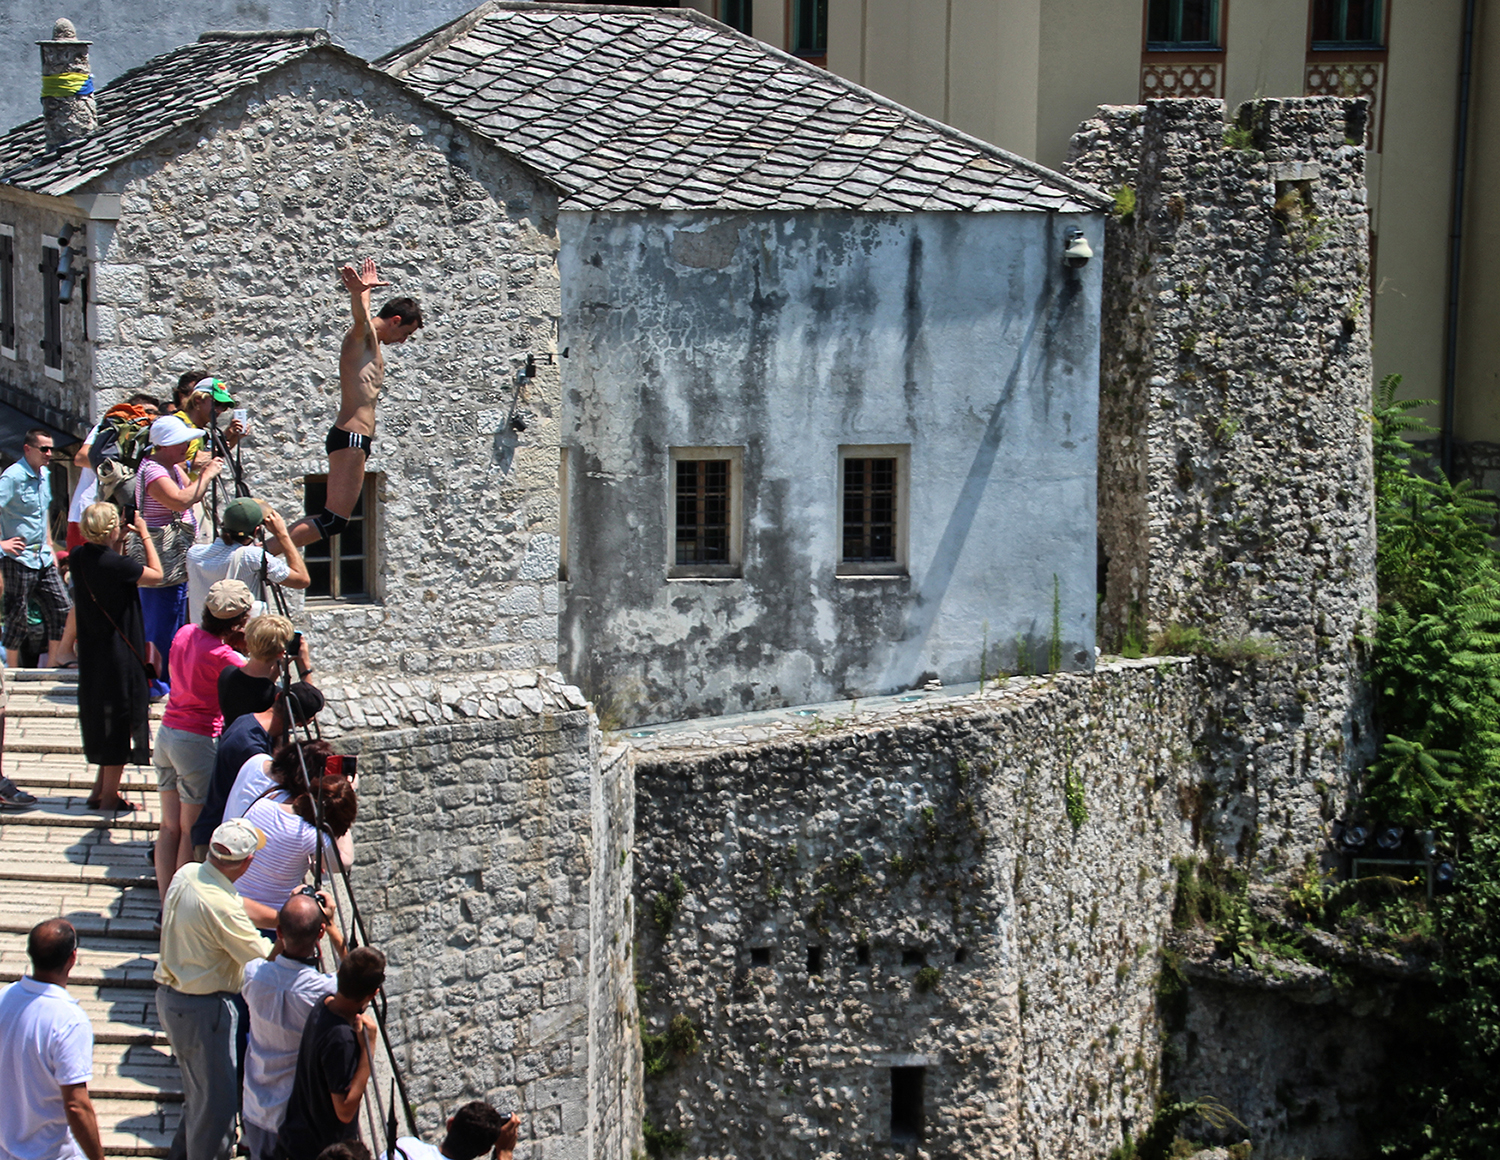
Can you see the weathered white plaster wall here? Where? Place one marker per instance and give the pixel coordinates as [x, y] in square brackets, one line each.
[790, 335]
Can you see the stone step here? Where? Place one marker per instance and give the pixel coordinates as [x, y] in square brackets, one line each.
[119, 877]
[53, 814]
[136, 1128]
[98, 909]
[75, 785]
[56, 707]
[42, 676]
[52, 847]
[102, 962]
[136, 1071]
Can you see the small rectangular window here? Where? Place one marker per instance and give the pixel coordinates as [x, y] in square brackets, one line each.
[7, 290]
[872, 510]
[736, 14]
[760, 956]
[906, 1104]
[707, 490]
[52, 353]
[342, 567]
[1346, 24]
[814, 960]
[1178, 25]
[810, 29]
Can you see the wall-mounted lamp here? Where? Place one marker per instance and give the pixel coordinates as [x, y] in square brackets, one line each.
[67, 271]
[1078, 251]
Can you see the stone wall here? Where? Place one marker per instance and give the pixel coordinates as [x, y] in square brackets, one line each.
[491, 868]
[958, 337]
[964, 923]
[1235, 472]
[63, 402]
[226, 254]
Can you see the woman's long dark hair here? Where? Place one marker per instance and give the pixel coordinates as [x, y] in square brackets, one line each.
[286, 769]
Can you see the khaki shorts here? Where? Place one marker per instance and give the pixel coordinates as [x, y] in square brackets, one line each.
[184, 764]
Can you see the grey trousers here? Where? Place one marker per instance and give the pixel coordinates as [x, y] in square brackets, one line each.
[201, 1029]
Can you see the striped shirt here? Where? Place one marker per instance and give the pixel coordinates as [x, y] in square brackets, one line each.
[278, 869]
[158, 514]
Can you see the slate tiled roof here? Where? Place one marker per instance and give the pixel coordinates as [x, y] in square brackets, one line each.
[636, 108]
[146, 103]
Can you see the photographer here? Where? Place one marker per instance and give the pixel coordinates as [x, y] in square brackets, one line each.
[251, 687]
[292, 841]
[236, 556]
[281, 994]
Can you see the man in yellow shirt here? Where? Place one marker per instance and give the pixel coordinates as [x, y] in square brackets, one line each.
[206, 940]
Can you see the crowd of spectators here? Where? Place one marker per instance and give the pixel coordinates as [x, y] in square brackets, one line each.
[251, 808]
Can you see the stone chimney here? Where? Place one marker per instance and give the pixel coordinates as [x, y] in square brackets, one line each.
[67, 87]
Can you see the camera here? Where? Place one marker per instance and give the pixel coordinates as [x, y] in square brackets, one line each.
[295, 645]
[341, 764]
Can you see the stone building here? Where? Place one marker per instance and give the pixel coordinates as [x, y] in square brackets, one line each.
[828, 406]
[206, 215]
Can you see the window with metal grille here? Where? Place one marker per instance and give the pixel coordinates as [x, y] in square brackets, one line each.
[51, 309]
[703, 511]
[736, 14]
[8, 289]
[1346, 24]
[1182, 24]
[810, 28]
[342, 567]
[870, 510]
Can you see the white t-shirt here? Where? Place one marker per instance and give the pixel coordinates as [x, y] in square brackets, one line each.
[415, 1150]
[88, 484]
[207, 564]
[281, 995]
[45, 1043]
[253, 779]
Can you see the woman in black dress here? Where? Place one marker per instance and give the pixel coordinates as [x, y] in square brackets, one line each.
[114, 698]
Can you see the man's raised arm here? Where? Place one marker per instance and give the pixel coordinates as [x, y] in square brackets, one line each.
[359, 283]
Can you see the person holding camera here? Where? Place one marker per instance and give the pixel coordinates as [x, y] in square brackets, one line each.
[333, 1062]
[292, 840]
[473, 1130]
[165, 496]
[281, 994]
[236, 556]
[270, 643]
[188, 738]
[112, 679]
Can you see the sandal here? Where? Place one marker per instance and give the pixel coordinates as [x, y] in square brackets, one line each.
[120, 806]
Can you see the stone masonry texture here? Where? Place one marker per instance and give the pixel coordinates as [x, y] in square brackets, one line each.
[493, 869]
[1234, 457]
[226, 254]
[915, 894]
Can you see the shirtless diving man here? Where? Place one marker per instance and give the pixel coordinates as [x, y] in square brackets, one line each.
[361, 374]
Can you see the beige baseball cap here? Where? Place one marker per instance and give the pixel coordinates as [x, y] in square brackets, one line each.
[228, 598]
[235, 840]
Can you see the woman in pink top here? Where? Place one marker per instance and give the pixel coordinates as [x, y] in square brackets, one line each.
[162, 489]
[188, 737]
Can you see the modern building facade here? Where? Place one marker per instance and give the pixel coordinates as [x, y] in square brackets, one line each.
[1025, 73]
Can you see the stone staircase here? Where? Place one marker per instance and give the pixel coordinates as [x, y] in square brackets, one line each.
[89, 867]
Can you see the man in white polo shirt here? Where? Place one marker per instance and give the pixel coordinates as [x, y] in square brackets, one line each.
[46, 1056]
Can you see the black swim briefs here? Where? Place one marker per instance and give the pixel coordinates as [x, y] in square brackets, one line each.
[341, 440]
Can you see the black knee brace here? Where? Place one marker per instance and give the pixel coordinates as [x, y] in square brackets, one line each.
[330, 523]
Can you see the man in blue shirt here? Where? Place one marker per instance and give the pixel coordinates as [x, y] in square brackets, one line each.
[29, 565]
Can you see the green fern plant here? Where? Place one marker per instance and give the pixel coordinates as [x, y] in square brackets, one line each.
[1436, 661]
